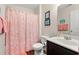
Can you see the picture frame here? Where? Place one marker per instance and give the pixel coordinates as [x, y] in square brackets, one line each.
[47, 18]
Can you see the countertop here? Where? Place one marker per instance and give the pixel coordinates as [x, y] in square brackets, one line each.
[61, 41]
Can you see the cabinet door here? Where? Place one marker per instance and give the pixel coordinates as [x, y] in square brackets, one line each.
[54, 49]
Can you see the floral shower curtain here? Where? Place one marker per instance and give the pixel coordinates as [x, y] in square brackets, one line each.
[20, 31]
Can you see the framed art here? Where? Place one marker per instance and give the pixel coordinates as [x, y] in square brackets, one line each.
[47, 18]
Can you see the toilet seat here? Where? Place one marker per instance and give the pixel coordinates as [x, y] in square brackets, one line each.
[37, 46]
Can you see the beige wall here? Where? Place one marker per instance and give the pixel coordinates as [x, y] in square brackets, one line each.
[2, 10]
[55, 15]
[52, 29]
[64, 12]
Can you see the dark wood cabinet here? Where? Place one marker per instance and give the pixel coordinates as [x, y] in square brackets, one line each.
[54, 49]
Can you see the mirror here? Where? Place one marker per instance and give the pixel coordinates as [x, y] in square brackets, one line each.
[70, 14]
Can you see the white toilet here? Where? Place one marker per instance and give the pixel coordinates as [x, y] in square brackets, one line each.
[38, 49]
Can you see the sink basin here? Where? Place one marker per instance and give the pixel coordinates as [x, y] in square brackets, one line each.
[68, 42]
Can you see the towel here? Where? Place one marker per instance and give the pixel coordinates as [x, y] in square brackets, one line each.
[3, 25]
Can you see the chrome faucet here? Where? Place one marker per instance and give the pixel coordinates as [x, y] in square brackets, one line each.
[67, 37]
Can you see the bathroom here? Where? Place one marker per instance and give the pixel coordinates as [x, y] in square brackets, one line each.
[39, 29]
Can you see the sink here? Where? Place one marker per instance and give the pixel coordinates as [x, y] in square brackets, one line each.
[68, 42]
[71, 42]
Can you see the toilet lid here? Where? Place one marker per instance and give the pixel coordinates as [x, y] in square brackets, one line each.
[37, 46]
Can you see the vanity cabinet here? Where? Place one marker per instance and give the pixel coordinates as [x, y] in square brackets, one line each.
[54, 49]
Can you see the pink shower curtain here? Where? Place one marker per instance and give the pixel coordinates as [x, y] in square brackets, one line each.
[32, 31]
[22, 31]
